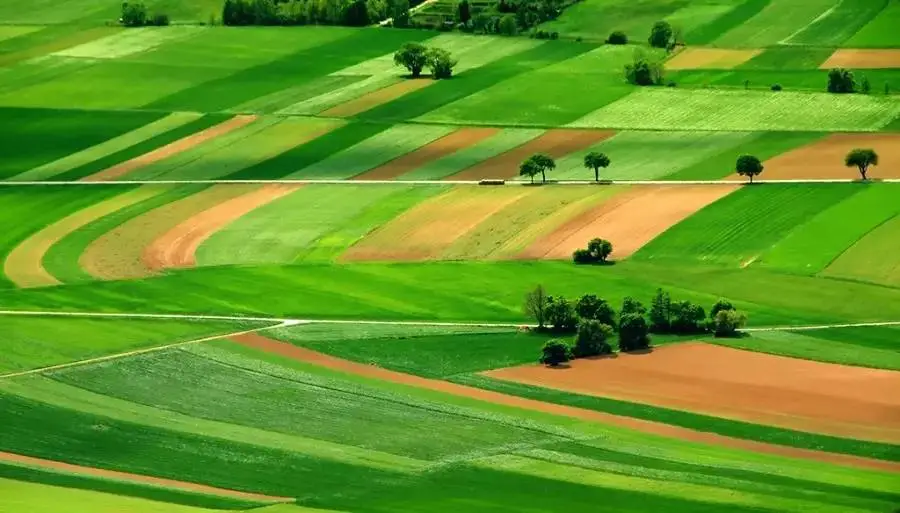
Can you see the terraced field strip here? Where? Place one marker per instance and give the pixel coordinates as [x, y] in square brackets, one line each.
[24, 265]
[775, 23]
[504, 140]
[871, 258]
[130, 42]
[120, 252]
[371, 100]
[58, 466]
[328, 92]
[824, 159]
[431, 227]
[11, 31]
[863, 59]
[171, 149]
[880, 32]
[764, 389]
[709, 58]
[457, 141]
[837, 24]
[629, 220]
[556, 143]
[107, 148]
[177, 247]
[312, 357]
[47, 41]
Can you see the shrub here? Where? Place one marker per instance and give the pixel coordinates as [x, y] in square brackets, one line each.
[721, 304]
[660, 312]
[412, 56]
[841, 81]
[555, 352]
[582, 256]
[634, 333]
[671, 83]
[660, 34]
[160, 20]
[686, 318]
[561, 314]
[590, 307]
[597, 251]
[592, 339]
[134, 14]
[507, 25]
[776, 87]
[554, 35]
[441, 63]
[727, 322]
[632, 306]
[866, 86]
[617, 38]
[644, 72]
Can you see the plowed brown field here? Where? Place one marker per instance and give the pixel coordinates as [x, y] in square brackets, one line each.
[863, 59]
[824, 159]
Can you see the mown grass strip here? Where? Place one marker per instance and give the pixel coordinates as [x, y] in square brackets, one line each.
[704, 423]
[706, 34]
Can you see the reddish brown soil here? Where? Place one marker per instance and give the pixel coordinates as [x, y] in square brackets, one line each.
[797, 394]
[710, 58]
[177, 247]
[442, 147]
[181, 145]
[305, 355]
[376, 98]
[863, 59]
[556, 143]
[824, 159]
[628, 220]
[136, 478]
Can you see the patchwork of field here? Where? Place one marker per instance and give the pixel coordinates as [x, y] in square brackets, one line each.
[342, 329]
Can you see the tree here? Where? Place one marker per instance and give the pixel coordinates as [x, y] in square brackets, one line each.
[508, 26]
[356, 14]
[866, 86]
[841, 81]
[617, 38]
[543, 163]
[529, 168]
[726, 323]
[687, 317]
[463, 12]
[660, 312]
[536, 303]
[412, 56]
[590, 307]
[400, 13]
[592, 339]
[660, 34]
[561, 314]
[441, 63]
[644, 70]
[555, 352]
[633, 333]
[632, 306]
[134, 14]
[748, 165]
[721, 304]
[595, 160]
[600, 249]
[862, 158]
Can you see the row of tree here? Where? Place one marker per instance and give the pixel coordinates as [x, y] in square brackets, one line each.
[354, 13]
[135, 14]
[595, 322]
[860, 158]
[415, 57]
[540, 164]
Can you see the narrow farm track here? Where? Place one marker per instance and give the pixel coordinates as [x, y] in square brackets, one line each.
[68, 468]
[516, 183]
[178, 246]
[312, 357]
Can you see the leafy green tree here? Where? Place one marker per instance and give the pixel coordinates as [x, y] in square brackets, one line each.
[632, 306]
[160, 20]
[412, 56]
[529, 168]
[542, 163]
[866, 86]
[595, 160]
[555, 352]
[841, 81]
[600, 249]
[590, 307]
[561, 314]
[687, 317]
[463, 12]
[508, 25]
[862, 158]
[726, 323]
[749, 166]
[441, 63]
[660, 313]
[634, 334]
[644, 70]
[617, 38]
[536, 303]
[134, 14]
[661, 34]
[592, 339]
[720, 305]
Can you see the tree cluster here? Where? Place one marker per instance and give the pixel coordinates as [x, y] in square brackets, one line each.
[597, 252]
[687, 318]
[416, 56]
[135, 14]
[354, 13]
[841, 81]
[644, 71]
[537, 164]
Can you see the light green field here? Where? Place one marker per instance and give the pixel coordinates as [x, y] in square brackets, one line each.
[776, 23]
[881, 32]
[802, 344]
[12, 31]
[503, 141]
[839, 23]
[372, 152]
[679, 109]
[649, 155]
[130, 42]
[871, 259]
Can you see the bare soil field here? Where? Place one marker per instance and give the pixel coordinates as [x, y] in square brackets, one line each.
[798, 394]
[286, 350]
[181, 145]
[710, 58]
[450, 143]
[178, 246]
[629, 219]
[863, 59]
[376, 98]
[136, 478]
[556, 143]
[824, 159]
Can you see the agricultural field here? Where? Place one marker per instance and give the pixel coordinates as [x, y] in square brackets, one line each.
[264, 268]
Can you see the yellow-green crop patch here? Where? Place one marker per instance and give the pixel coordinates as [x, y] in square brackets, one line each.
[11, 31]
[872, 257]
[130, 42]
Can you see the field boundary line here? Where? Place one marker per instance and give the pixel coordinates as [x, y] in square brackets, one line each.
[827, 13]
[443, 182]
[146, 350]
[824, 326]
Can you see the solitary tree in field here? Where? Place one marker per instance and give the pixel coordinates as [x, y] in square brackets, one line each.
[412, 56]
[749, 166]
[536, 304]
[862, 158]
[595, 160]
[537, 163]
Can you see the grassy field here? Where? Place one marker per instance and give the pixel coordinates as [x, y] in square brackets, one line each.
[865, 260]
[878, 33]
